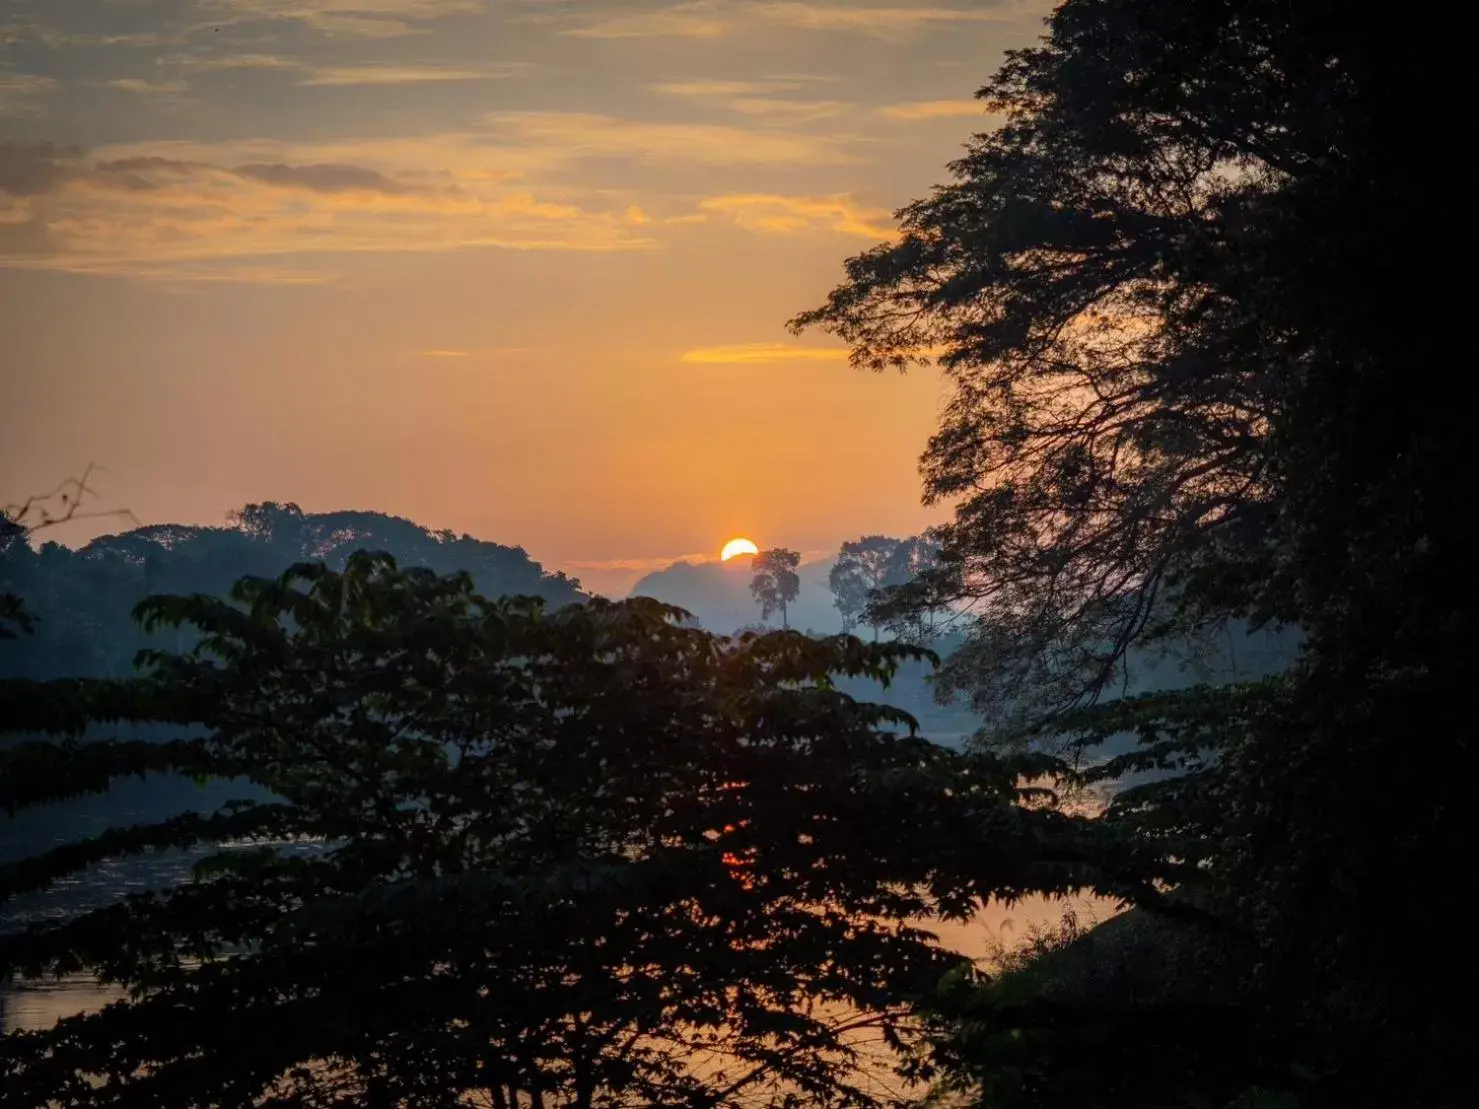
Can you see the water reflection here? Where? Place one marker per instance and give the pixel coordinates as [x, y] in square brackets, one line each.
[39, 1005]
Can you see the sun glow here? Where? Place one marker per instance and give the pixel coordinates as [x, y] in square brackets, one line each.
[737, 547]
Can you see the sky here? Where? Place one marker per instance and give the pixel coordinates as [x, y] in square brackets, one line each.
[519, 268]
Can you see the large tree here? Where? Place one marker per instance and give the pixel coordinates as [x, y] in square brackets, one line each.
[587, 858]
[1189, 296]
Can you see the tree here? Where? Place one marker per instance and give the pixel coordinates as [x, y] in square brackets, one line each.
[862, 567]
[775, 584]
[893, 604]
[589, 857]
[1187, 391]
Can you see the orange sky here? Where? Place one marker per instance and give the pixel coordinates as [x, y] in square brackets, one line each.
[513, 267]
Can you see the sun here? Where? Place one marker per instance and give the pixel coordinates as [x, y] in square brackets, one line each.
[735, 547]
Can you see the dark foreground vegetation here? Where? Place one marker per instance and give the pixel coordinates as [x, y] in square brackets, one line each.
[1189, 297]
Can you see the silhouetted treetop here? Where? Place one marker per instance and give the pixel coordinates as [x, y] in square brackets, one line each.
[1153, 287]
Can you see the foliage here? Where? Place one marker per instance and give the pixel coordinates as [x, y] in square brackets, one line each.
[868, 571]
[1188, 391]
[588, 857]
[862, 567]
[81, 599]
[909, 566]
[776, 583]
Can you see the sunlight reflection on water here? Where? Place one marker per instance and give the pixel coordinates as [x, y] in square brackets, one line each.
[41, 1004]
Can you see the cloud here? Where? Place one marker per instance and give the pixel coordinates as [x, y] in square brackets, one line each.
[21, 92]
[754, 354]
[347, 18]
[716, 18]
[55, 38]
[695, 20]
[402, 75]
[934, 109]
[195, 63]
[790, 111]
[147, 88]
[577, 135]
[323, 178]
[748, 98]
[32, 169]
[182, 211]
[879, 22]
[706, 88]
[774, 214]
[446, 354]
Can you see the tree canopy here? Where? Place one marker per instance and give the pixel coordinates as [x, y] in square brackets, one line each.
[583, 857]
[1188, 390]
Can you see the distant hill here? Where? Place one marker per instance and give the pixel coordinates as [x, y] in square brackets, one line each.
[83, 598]
[718, 594]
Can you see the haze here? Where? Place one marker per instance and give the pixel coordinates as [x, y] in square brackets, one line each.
[517, 269]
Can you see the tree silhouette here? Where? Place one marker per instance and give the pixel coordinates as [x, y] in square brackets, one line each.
[775, 584]
[1187, 391]
[862, 567]
[579, 858]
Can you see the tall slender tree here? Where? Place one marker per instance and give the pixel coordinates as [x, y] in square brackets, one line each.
[775, 583]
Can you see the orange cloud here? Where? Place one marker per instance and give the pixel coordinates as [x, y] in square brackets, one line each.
[751, 354]
[712, 19]
[695, 20]
[774, 214]
[880, 22]
[576, 135]
[146, 209]
[934, 109]
[147, 88]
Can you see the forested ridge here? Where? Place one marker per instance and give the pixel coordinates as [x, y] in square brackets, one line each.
[537, 850]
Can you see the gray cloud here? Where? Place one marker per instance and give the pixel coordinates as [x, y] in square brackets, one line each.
[322, 178]
[31, 169]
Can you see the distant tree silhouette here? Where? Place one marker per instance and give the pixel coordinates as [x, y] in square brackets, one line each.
[776, 583]
[893, 604]
[862, 567]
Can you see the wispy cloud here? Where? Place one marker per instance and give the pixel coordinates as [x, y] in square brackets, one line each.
[403, 75]
[715, 18]
[777, 214]
[143, 87]
[754, 98]
[21, 93]
[695, 20]
[177, 209]
[880, 22]
[702, 88]
[934, 109]
[576, 135]
[753, 354]
[198, 63]
[348, 18]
